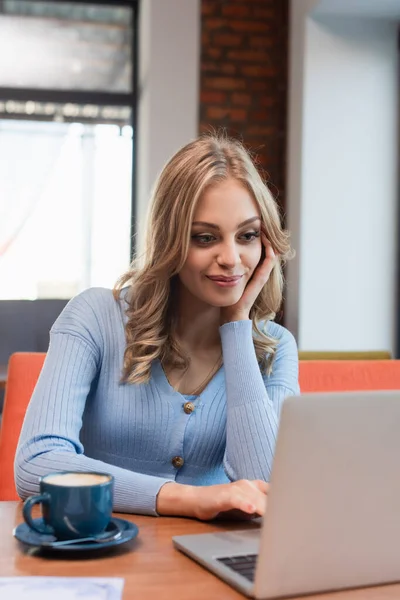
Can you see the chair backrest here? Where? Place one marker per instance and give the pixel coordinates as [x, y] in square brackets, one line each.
[345, 355]
[349, 375]
[315, 376]
[23, 371]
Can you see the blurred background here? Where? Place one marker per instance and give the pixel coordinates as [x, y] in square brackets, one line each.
[96, 96]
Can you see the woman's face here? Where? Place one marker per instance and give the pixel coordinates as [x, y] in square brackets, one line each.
[225, 245]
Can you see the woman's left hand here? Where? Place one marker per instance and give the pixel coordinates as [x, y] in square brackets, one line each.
[241, 310]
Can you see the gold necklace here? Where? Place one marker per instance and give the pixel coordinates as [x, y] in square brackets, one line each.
[205, 381]
[207, 378]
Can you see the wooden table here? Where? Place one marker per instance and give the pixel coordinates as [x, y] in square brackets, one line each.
[150, 566]
[3, 376]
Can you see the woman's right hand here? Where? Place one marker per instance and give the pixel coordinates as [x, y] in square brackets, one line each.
[208, 502]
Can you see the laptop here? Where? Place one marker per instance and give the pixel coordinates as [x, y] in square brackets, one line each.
[333, 511]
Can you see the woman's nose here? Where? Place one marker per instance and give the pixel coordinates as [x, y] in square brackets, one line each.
[228, 256]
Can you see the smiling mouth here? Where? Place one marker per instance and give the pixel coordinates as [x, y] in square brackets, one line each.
[225, 282]
[224, 279]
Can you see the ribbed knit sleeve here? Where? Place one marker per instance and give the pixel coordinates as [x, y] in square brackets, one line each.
[49, 438]
[253, 401]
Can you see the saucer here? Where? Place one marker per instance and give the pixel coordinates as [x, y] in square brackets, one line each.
[28, 536]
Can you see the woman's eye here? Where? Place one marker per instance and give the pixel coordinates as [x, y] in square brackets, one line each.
[203, 239]
[250, 236]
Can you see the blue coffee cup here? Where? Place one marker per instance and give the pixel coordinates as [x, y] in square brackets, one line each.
[74, 504]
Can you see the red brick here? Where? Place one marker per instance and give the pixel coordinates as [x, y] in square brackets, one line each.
[236, 10]
[224, 83]
[228, 68]
[250, 26]
[205, 38]
[258, 71]
[268, 101]
[212, 24]
[241, 99]
[221, 113]
[215, 112]
[258, 41]
[208, 8]
[238, 114]
[260, 115]
[260, 130]
[256, 2]
[227, 39]
[243, 80]
[263, 13]
[212, 52]
[218, 68]
[207, 97]
[247, 55]
[208, 67]
[258, 85]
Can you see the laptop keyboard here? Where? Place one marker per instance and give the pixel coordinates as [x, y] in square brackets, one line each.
[244, 565]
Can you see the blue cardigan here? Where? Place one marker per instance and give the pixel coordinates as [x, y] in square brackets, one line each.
[82, 418]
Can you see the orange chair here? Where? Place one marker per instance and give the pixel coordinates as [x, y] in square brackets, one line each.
[349, 375]
[23, 372]
[314, 375]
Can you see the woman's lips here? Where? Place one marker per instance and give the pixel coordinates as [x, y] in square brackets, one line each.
[225, 281]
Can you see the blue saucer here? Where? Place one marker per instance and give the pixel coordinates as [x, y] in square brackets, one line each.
[27, 536]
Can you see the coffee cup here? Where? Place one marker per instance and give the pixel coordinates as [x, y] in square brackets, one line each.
[74, 504]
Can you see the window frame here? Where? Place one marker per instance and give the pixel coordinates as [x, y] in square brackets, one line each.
[100, 98]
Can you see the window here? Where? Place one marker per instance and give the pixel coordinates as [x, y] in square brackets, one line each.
[67, 130]
[66, 45]
[65, 213]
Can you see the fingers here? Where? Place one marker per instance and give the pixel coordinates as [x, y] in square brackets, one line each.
[242, 502]
[269, 251]
[248, 497]
[252, 496]
[236, 515]
[263, 486]
[263, 271]
[270, 257]
[256, 507]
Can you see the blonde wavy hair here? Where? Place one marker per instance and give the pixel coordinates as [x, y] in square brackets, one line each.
[149, 330]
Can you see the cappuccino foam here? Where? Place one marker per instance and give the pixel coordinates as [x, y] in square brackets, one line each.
[77, 479]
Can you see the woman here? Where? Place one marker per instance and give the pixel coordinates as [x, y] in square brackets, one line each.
[174, 383]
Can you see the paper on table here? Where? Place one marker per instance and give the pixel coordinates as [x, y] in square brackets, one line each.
[66, 588]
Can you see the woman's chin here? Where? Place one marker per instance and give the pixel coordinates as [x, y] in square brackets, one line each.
[229, 300]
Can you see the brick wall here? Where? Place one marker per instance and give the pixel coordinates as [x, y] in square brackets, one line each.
[243, 82]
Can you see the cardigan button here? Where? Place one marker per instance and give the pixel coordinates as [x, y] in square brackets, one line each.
[188, 407]
[177, 462]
